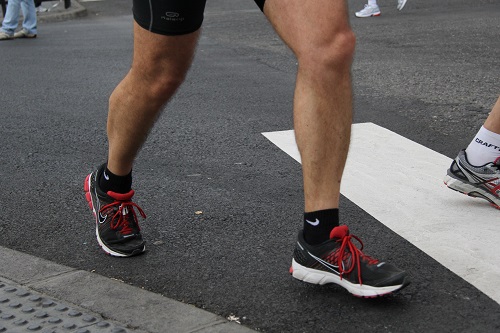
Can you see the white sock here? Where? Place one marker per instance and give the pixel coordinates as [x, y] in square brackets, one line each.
[372, 2]
[484, 148]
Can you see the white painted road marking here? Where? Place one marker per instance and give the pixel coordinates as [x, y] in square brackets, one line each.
[400, 183]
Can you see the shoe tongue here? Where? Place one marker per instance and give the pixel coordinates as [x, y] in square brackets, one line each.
[121, 196]
[339, 232]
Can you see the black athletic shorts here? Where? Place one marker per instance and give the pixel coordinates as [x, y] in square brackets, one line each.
[172, 17]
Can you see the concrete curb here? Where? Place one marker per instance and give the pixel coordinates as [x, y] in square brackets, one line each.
[130, 306]
[57, 11]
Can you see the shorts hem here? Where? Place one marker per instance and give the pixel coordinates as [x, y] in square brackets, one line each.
[148, 27]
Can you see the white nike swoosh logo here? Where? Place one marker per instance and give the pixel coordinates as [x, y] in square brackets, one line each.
[315, 223]
[331, 267]
[105, 175]
[102, 218]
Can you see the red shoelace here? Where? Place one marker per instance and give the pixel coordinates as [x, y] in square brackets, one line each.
[125, 207]
[349, 248]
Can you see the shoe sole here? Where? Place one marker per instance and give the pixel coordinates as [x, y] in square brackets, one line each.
[315, 276]
[471, 190]
[372, 15]
[400, 7]
[90, 201]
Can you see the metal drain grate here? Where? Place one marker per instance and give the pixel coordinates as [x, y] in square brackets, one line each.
[26, 311]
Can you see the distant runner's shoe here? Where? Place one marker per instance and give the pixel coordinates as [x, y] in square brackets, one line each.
[339, 261]
[24, 34]
[401, 4]
[5, 36]
[475, 181]
[117, 229]
[368, 11]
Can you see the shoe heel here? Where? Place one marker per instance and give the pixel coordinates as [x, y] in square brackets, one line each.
[88, 197]
[86, 187]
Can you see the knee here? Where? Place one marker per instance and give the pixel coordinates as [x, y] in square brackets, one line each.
[158, 85]
[162, 88]
[335, 53]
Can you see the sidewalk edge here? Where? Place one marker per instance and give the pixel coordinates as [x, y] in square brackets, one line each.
[110, 298]
[74, 11]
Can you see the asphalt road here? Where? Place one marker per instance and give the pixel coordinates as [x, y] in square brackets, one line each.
[429, 73]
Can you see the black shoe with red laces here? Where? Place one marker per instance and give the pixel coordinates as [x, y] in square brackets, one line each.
[117, 229]
[339, 261]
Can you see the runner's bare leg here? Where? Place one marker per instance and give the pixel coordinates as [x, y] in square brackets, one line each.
[159, 66]
[492, 123]
[319, 34]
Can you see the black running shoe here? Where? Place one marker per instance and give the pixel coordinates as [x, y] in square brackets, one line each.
[339, 261]
[117, 229]
[475, 181]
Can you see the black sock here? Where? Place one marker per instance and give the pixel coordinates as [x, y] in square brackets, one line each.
[319, 224]
[108, 181]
